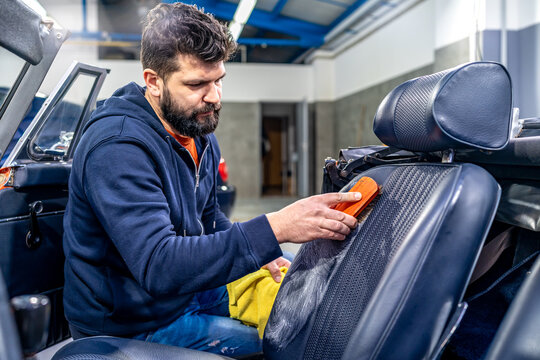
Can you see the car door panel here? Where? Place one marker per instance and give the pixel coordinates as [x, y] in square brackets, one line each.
[35, 193]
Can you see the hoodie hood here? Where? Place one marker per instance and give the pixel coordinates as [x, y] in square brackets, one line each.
[129, 101]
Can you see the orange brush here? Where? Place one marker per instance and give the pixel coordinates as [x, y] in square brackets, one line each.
[369, 190]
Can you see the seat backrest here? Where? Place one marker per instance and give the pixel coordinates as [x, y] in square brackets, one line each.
[518, 337]
[389, 289]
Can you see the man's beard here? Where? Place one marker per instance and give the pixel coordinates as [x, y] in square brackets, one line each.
[186, 123]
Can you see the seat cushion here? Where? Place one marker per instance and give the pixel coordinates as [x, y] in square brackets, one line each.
[113, 348]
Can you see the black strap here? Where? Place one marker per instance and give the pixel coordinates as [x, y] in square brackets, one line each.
[340, 173]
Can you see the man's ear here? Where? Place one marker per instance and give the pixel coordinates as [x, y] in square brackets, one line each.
[154, 84]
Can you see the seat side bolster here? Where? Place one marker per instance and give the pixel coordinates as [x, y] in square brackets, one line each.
[519, 333]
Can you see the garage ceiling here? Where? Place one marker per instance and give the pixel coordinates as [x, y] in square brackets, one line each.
[284, 31]
[278, 31]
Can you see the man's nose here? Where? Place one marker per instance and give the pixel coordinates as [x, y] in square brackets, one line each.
[213, 94]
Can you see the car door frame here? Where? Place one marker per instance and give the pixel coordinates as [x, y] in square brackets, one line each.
[28, 82]
[48, 106]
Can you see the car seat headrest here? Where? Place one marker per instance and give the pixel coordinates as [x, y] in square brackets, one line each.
[463, 107]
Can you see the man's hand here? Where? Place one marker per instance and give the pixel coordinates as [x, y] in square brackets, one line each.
[313, 218]
[274, 267]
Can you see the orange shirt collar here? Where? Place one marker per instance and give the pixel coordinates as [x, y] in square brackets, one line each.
[188, 143]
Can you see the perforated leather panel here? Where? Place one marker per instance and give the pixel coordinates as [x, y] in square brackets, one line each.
[412, 105]
[403, 199]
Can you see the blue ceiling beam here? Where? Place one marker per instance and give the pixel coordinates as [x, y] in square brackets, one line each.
[265, 20]
[347, 12]
[304, 43]
[84, 16]
[136, 38]
[278, 7]
[105, 36]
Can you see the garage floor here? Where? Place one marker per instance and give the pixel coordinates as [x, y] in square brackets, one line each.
[248, 208]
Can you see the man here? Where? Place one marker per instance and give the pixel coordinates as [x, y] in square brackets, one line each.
[148, 251]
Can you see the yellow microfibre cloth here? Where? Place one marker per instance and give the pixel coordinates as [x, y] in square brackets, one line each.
[251, 298]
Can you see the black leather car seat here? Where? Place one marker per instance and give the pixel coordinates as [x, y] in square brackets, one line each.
[390, 290]
[518, 337]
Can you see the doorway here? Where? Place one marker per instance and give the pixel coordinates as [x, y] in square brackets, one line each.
[278, 149]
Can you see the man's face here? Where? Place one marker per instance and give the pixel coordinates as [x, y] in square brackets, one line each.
[191, 98]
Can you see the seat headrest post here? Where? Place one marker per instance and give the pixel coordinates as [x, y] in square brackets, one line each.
[448, 156]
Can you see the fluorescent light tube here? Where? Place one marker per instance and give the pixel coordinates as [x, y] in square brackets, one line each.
[241, 16]
[243, 11]
[235, 29]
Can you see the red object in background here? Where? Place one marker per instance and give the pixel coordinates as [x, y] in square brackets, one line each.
[223, 171]
[5, 175]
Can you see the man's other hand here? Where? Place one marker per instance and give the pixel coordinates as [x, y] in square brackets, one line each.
[313, 218]
[274, 267]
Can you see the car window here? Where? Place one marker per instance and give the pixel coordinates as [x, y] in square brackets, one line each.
[10, 68]
[56, 134]
[37, 102]
[55, 130]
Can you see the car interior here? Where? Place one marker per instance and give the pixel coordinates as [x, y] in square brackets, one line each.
[441, 265]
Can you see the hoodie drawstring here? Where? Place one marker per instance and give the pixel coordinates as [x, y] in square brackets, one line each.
[174, 164]
[215, 184]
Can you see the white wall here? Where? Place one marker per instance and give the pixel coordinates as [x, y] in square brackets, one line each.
[519, 14]
[324, 74]
[69, 13]
[122, 71]
[403, 45]
[268, 82]
[243, 83]
[522, 13]
[454, 20]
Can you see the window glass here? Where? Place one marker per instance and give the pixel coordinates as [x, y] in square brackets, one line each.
[54, 137]
[10, 67]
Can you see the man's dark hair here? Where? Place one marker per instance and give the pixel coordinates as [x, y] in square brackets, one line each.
[170, 29]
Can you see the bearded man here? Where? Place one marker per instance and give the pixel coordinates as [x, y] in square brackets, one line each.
[148, 250]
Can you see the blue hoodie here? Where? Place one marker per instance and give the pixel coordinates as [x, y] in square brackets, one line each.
[142, 228]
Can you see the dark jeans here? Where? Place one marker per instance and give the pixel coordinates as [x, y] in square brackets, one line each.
[205, 326]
